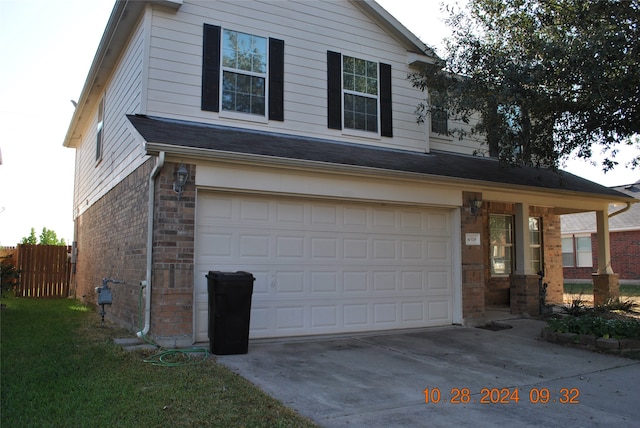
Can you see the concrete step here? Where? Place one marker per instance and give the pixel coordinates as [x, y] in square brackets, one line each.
[134, 344]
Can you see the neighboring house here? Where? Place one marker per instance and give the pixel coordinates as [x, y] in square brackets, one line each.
[294, 126]
[580, 243]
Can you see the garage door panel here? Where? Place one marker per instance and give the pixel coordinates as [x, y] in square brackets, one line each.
[439, 310]
[326, 267]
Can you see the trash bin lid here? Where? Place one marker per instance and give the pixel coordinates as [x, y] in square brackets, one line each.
[230, 276]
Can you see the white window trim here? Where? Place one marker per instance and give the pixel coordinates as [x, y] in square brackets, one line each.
[236, 115]
[360, 132]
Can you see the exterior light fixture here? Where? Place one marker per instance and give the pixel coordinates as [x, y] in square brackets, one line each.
[182, 175]
[475, 206]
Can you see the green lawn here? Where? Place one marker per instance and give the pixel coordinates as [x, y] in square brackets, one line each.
[626, 290]
[59, 368]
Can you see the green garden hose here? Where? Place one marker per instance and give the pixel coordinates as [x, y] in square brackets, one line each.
[171, 357]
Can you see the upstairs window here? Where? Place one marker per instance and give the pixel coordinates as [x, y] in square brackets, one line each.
[439, 120]
[99, 131]
[242, 73]
[360, 89]
[359, 95]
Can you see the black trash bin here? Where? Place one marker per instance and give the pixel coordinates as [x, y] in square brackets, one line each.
[229, 311]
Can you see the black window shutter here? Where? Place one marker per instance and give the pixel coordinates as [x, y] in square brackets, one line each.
[276, 79]
[386, 116]
[211, 68]
[334, 90]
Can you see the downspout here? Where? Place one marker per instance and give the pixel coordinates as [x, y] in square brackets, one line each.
[147, 283]
[625, 209]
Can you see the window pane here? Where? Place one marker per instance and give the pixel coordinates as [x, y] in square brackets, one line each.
[243, 93]
[439, 123]
[360, 84]
[584, 259]
[583, 243]
[360, 67]
[567, 259]
[500, 235]
[372, 69]
[583, 251]
[348, 81]
[361, 111]
[534, 230]
[348, 65]
[567, 245]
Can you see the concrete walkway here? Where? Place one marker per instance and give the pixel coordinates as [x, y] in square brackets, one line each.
[379, 380]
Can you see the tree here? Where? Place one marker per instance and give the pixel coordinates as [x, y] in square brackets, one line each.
[31, 239]
[544, 78]
[47, 237]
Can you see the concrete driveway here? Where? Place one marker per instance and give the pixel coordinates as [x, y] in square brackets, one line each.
[379, 380]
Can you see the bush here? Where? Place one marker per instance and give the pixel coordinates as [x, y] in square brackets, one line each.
[597, 326]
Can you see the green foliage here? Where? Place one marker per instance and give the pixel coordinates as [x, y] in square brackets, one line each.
[548, 78]
[597, 326]
[31, 239]
[60, 368]
[9, 275]
[578, 307]
[47, 237]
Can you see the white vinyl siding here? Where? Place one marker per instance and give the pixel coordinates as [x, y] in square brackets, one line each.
[121, 151]
[308, 29]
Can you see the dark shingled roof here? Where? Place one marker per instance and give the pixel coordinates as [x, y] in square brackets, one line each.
[443, 164]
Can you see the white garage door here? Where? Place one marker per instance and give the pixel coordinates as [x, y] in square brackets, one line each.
[326, 266]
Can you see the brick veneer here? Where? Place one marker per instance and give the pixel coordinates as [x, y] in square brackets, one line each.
[173, 259]
[625, 253]
[112, 240]
[479, 288]
[473, 264]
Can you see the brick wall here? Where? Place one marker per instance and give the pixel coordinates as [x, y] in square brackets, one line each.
[496, 289]
[173, 260]
[625, 253]
[111, 240]
[473, 264]
[552, 253]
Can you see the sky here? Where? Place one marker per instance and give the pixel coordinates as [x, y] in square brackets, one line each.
[47, 48]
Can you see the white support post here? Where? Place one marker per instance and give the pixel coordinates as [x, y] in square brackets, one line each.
[604, 243]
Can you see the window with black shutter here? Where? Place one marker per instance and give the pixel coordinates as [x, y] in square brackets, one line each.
[239, 70]
[359, 95]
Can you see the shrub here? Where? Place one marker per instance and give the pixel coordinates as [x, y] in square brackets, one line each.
[597, 326]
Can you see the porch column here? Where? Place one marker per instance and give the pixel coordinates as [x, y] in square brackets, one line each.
[606, 284]
[524, 293]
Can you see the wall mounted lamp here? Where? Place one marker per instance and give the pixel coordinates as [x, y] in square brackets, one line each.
[182, 175]
[475, 206]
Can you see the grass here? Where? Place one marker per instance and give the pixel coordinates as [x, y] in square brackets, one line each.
[59, 368]
[626, 290]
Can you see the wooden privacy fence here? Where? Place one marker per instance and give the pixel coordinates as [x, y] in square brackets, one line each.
[44, 270]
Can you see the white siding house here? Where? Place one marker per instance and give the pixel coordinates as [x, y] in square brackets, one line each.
[296, 123]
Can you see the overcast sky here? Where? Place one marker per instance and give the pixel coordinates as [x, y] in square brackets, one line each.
[47, 47]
